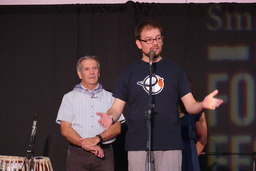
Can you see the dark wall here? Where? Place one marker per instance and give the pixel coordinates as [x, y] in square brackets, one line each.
[39, 47]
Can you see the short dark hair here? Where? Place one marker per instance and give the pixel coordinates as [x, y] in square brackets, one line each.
[148, 24]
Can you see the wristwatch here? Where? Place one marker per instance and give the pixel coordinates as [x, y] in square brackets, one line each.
[113, 121]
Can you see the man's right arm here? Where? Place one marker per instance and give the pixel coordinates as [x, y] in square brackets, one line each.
[113, 114]
[73, 137]
[69, 133]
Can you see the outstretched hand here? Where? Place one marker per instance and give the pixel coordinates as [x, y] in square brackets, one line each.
[105, 120]
[210, 102]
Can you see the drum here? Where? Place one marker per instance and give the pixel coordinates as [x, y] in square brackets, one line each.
[15, 163]
[42, 163]
[12, 163]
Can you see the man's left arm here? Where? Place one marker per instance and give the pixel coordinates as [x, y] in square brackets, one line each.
[112, 132]
[195, 107]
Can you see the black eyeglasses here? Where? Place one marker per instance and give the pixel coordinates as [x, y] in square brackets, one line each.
[150, 41]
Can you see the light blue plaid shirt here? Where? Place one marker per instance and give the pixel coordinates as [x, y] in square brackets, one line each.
[79, 107]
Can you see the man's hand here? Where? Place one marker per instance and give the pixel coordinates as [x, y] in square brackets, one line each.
[105, 120]
[97, 150]
[210, 102]
[89, 142]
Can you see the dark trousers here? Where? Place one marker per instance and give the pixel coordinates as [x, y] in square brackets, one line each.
[80, 160]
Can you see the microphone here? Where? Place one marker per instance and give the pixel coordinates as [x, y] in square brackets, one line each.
[34, 125]
[151, 54]
[32, 139]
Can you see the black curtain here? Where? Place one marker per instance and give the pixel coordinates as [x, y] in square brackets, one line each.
[40, 44]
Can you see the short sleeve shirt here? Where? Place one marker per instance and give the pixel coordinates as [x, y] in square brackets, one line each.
[169, 84]
[79, 108]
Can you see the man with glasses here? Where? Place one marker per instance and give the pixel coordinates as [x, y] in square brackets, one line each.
[169, 84]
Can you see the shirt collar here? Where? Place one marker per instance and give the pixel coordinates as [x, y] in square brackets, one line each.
[93, 93]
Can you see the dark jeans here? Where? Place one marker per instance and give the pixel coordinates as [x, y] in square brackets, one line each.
[80, 160]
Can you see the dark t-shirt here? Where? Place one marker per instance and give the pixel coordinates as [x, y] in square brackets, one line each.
[169, 84]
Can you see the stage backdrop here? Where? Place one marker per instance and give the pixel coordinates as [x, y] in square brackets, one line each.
[40, 44]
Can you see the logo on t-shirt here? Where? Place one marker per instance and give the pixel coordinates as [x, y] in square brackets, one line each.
[157, 84]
